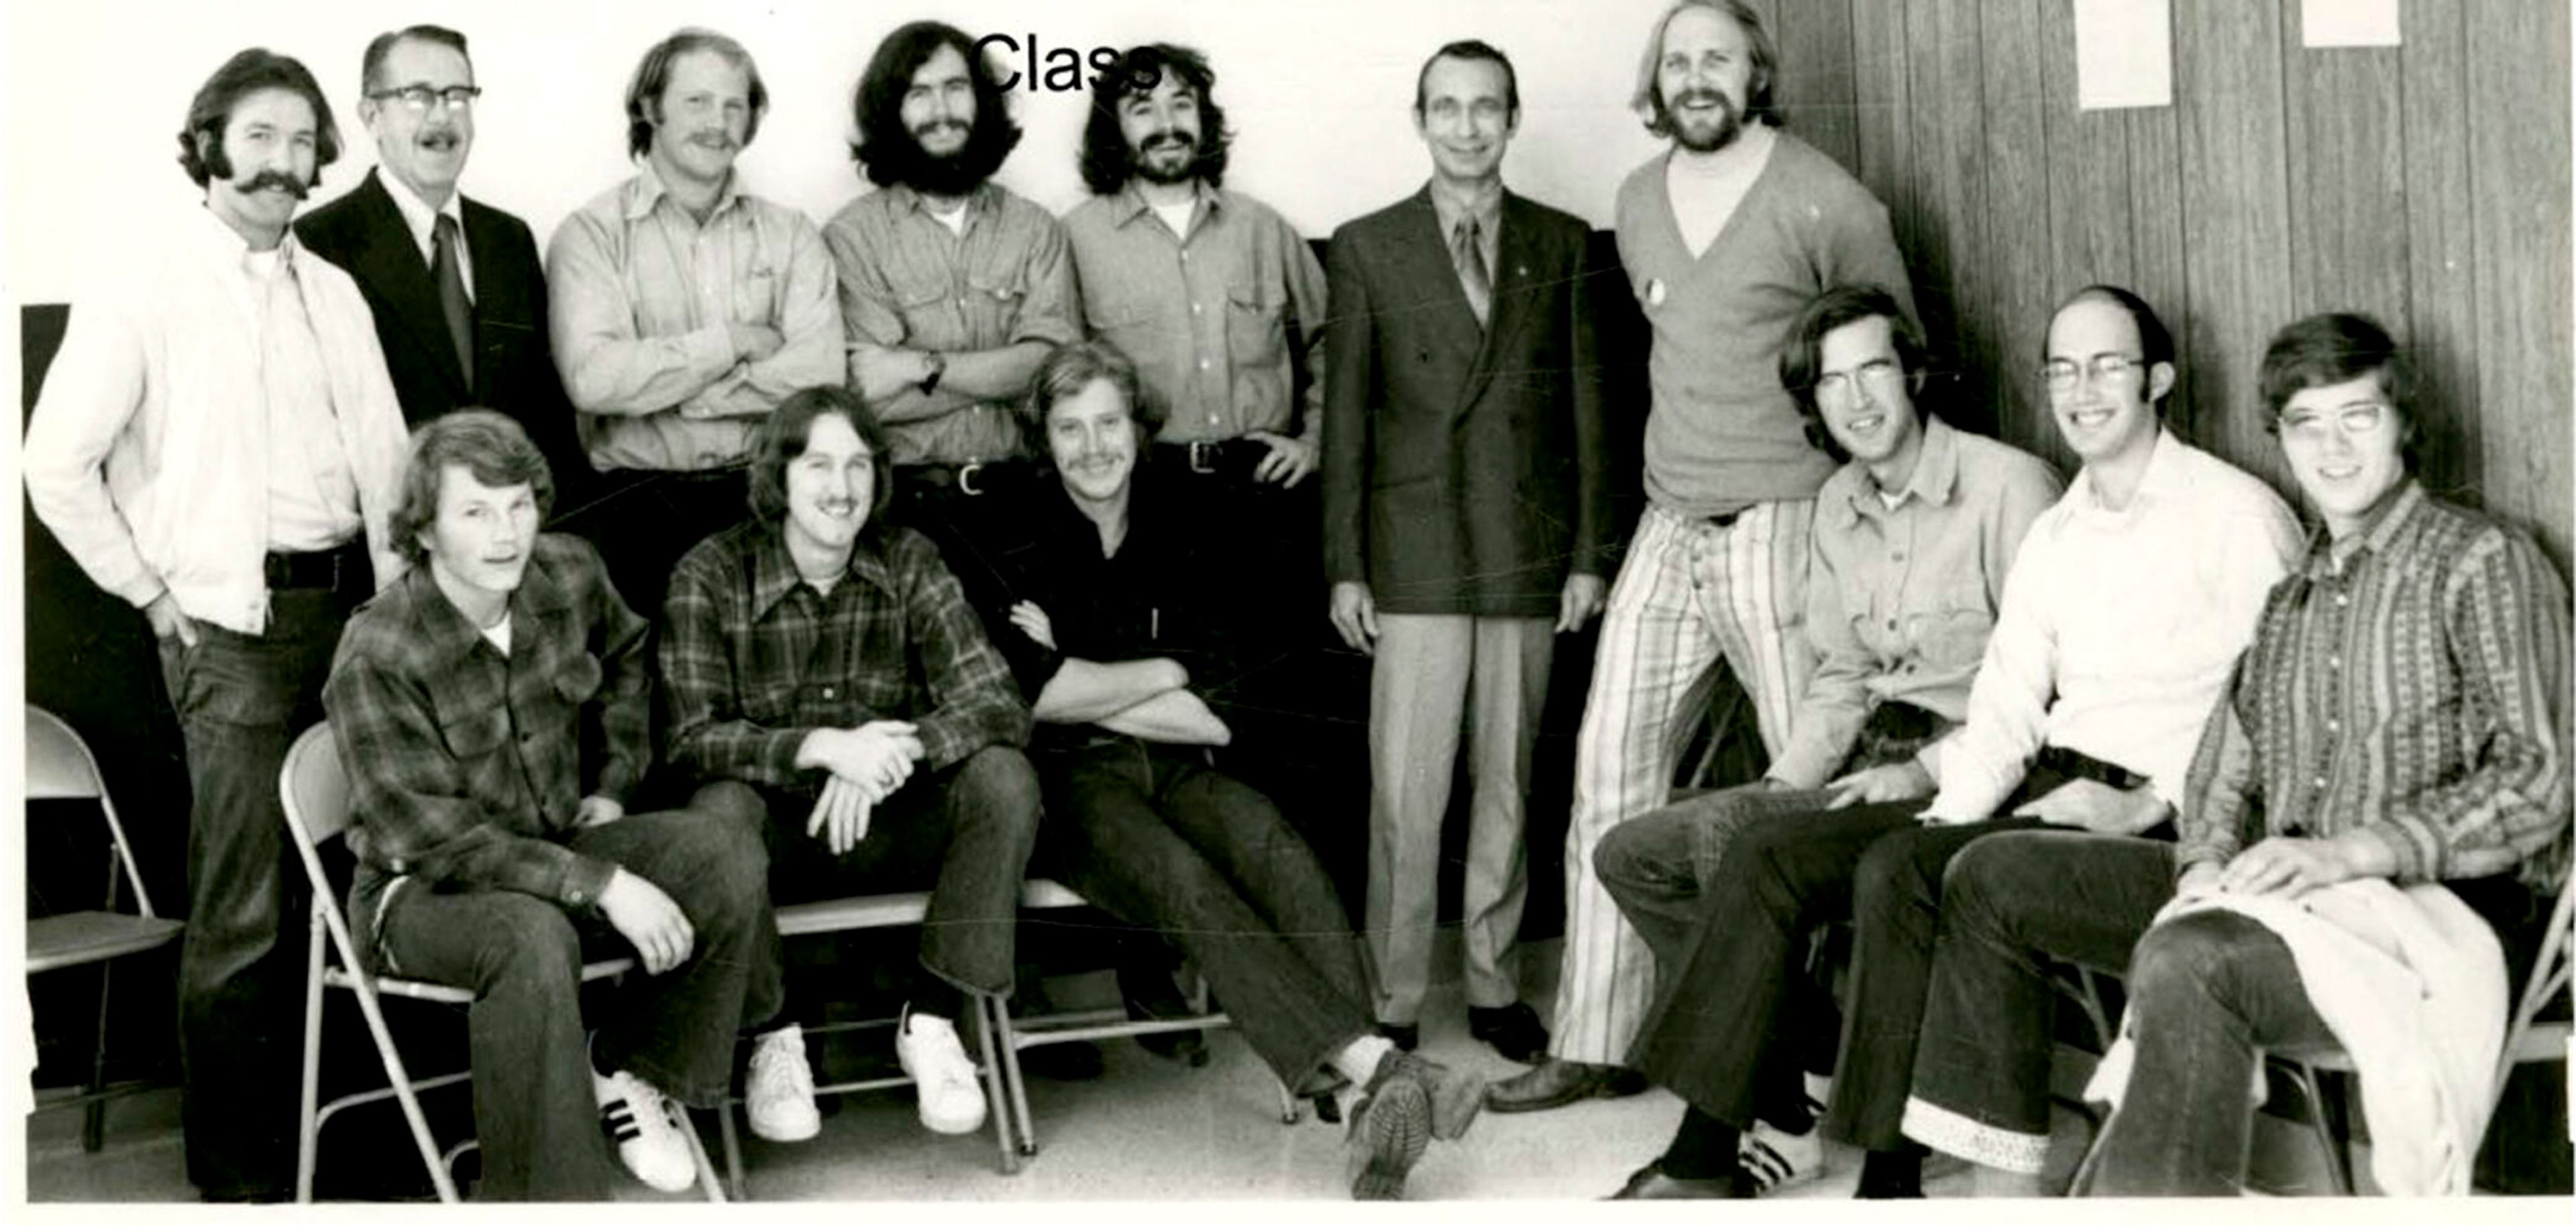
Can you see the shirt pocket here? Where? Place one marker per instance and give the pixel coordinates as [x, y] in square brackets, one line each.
[578, 679]
[473, 735]
[755, 292]
[1256, 328]
[992, 307]
[1950, 629]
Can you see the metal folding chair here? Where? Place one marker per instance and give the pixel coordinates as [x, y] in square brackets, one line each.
[60, 767]
[313, 786]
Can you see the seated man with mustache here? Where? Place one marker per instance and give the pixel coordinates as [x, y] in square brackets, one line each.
[1113, 628]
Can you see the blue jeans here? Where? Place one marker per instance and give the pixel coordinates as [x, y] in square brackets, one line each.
[964, 832]
[534, 1110]
[241, 699]
[1158, 838]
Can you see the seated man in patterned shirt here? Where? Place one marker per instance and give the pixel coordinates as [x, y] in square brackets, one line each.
[491, 706]
[823, 656]
[2402, 714]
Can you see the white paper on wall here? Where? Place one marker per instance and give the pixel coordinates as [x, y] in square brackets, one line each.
[2348, 23]
[2123, 53]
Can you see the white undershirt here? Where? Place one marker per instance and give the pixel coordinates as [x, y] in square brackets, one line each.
[1704, 191]
[1176, 217]
[498, 634]
[954, 219]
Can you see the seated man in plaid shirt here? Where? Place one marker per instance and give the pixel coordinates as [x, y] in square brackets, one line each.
[491, 706]
[823, 658]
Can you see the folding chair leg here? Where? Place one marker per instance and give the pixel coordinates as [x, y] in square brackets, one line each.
[309, 1121]
[698, 1153]
[732, 1151]
[94, 1116]
[1019, 1085]
[401, 1079]
[2321, 1125]
[1001, 1062]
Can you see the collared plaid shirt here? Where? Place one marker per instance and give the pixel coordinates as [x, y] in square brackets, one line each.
[467, 765]
[2415, 693]
[754, 659]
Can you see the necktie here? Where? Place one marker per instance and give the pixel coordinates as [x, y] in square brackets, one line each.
[451, 294]
[1466, 246]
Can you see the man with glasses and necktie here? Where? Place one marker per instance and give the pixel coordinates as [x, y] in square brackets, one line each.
[2125, 609]
[457, 287]
[1466, 522]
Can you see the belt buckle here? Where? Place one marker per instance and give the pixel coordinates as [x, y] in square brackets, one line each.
[966, 478]
[1202, 457]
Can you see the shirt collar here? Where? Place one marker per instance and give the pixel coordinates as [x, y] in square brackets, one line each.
[2387, 522]
[450, 637]
[1130, 201]
[1935, 479]
[2168, 475]
[647, 190]
[978, 202]
[417, 213]
[774, 576]
[1454, 205]
[225, 244]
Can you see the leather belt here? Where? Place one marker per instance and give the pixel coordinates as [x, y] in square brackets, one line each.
[1207, 458]
[333, 569]
[973, 478]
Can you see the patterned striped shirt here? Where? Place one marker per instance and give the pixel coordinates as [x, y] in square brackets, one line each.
[2414, 692]
[754, 658]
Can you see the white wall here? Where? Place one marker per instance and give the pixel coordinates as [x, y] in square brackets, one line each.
[1319, 92]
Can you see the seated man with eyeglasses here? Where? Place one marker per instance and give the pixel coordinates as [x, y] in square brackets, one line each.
[1912, 539]
[2127, 603]
[2401, 715]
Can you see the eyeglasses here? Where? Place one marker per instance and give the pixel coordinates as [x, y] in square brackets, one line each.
[2062, 375]
[419, 98]
[2351, 420]
[1880, 375]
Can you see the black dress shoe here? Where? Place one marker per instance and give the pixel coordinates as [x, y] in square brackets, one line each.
[1652, 1183]
[1405, 1037]
[1513, 1030]
[1152, 997]
[1562, 1082]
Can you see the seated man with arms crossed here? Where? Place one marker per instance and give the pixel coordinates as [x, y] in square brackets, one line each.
[823, 656]
[491, 707]
[2401, 715]
[1111, 595]
[1912, 539]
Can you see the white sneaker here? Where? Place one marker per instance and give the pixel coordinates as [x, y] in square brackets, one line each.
[638, 1120]
[952, 1102]
[779, 1093]
[1778, 1160]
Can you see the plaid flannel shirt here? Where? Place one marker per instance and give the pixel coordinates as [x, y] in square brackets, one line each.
[754, 659]
[467, 766]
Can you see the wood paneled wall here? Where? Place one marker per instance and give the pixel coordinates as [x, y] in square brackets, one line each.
[2425, 184]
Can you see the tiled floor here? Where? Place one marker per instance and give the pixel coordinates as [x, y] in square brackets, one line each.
[1146, 1130]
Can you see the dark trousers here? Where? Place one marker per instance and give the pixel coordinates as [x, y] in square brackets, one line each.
[965, 832]
[1155, 836]
[642, 522]
[970, 518]
[2012, 908]
[241, 700]
[1719, 1032]
[534, 1109]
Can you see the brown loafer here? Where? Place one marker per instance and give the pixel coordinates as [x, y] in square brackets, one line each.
[1562, 1082]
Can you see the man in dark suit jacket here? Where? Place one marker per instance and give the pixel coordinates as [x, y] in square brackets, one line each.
[1466, 515]
[457, 288]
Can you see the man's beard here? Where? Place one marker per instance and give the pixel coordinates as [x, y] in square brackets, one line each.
[1145, 161]
[945, 174]
[1730, 124]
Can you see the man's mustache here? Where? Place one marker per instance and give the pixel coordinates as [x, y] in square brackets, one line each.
[278, 179]
[1168, 138]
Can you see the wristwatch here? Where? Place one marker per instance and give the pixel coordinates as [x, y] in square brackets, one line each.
[938, 366]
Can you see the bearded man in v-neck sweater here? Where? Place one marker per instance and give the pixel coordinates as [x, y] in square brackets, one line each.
[1724, 236]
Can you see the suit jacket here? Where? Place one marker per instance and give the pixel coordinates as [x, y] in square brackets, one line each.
[1463, 468]
[364, 233]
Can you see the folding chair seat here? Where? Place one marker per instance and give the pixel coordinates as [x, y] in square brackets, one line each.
[60, 767]
[313, 787]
